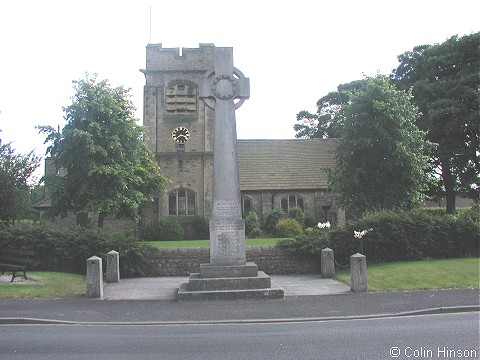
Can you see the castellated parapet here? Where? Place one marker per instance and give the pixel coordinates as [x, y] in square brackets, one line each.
[171, 59]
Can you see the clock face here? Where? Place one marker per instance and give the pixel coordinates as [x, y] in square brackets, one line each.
[181, 135]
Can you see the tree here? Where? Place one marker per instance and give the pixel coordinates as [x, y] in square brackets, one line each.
[380, 157]
[15, 170]
[445, 84]
[326, 123]
[107, 167]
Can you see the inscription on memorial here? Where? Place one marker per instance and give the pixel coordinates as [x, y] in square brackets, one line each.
[228, 240]
[227, 208]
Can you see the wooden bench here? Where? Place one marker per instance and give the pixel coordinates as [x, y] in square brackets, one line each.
[15, 260]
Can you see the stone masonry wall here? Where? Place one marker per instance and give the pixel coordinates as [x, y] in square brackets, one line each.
[270, 259]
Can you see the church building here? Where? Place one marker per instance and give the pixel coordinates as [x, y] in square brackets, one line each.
[274, 174]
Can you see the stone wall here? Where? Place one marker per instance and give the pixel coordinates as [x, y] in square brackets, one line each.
[270, 259]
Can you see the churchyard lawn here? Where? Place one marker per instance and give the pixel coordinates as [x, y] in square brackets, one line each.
[44, 285]
[420, 275]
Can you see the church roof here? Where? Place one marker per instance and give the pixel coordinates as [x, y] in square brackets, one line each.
[285, 164]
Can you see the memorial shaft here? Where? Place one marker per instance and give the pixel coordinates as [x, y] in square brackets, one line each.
[227, 228]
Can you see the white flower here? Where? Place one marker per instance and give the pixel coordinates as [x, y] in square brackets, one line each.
[324, 225]
[361, 234]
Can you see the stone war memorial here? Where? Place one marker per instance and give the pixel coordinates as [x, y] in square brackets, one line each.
[228, 275]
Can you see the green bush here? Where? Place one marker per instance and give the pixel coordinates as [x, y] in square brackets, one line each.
[201, 228]
[163, 230]
[399, 236]
[309, 231]
[252, 223]
[310, 243]
[297, 214]
[67, 249]
[254, 233]
[271, 220]
[288, 228]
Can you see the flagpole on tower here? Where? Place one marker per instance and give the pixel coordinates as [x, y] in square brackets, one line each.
[150, 41]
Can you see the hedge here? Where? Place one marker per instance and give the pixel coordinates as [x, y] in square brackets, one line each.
[67, 249]
[162, 230]
[398, 236]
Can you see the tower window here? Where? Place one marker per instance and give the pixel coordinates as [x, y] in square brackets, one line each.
[181, 99]
[181, 202]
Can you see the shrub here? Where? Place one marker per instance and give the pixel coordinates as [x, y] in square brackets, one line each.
[311, 243]
[134, 256]
[399, 236]
[201, 228]
[163, 230]
[309, 231]
[297, 214]
[310, 223]
[67, 249]
[272, 219]
[288, 228]
[255, 233]
[252, 223]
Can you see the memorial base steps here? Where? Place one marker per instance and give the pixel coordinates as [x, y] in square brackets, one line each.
[229, 288]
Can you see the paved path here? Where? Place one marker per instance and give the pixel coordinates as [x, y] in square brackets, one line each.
[164, 288]
[292, 308]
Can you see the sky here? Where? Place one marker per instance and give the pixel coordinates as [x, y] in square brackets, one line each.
[293, 52]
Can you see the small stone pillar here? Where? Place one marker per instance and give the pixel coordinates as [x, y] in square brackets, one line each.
[327, 263]
[358, 273]
[113, 267]
[94, 277]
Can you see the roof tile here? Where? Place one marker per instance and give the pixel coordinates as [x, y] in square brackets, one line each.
[285, 164]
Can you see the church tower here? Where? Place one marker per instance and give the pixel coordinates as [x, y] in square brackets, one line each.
[179, 131]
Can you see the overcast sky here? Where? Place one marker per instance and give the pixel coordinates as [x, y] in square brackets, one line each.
[293, 52]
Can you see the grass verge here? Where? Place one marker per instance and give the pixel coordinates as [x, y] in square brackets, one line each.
[421, 275]
[206, 243]
[51, 285]
[399, 276]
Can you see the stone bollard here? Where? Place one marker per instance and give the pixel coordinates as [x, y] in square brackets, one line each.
[113, 267]
[327, 263]
[358, 273]
[94, 277]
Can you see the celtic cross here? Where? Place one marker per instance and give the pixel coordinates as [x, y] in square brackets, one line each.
[224, 89]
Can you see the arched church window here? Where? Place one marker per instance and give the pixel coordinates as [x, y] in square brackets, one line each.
[181, 202]
[181, 98]
[292, 201]
[247, 206]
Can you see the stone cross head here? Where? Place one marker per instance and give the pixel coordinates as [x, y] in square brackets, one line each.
[224, 83]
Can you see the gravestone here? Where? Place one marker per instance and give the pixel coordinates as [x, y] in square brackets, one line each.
[228, 275]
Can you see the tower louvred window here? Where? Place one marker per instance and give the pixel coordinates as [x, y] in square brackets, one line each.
[181, 99]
